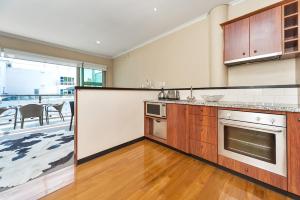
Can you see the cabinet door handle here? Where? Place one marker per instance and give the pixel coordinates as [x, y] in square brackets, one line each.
[255, 51]
[298, 119]
[244, 53]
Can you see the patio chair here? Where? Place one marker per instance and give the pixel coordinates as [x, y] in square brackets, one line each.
[31, 111]
[72, 113]
[4, 109]
[54, 108]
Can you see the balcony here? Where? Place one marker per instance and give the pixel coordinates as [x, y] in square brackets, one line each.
[36, 150]
[7, 119]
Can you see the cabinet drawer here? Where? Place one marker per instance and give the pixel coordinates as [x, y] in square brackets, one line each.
[237, 166]
[254, 172]
[210, 121]
[200, 120]
[209, 135]
[204, 150]
[195, 132]
[202, 110]
[204, 134]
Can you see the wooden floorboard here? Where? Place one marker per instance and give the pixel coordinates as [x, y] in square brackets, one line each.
[147, 170]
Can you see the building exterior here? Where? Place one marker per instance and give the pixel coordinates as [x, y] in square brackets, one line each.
[2, 76]
[20, 77]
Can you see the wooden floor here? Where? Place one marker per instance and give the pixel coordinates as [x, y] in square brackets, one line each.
[146, 170]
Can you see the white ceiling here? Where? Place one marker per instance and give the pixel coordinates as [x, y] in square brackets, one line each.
[119, 24]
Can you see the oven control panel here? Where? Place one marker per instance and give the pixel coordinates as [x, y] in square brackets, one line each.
[252, 117]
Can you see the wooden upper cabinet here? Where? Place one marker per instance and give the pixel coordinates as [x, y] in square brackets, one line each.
[266, 32]
[177, 135]
[293, 153]
[255, 36]
[236, 40]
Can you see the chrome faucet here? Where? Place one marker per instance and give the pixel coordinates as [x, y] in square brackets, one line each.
[191, 98]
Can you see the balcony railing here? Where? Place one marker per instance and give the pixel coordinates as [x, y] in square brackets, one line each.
[17, 101]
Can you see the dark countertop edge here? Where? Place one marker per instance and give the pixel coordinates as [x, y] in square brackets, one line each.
[199, 88]
[113, 88]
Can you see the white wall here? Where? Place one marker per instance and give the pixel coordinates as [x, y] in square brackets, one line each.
[180, 59]
[108, 118]
[279, 72]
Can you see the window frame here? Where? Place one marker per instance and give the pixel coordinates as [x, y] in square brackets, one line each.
[91, 84]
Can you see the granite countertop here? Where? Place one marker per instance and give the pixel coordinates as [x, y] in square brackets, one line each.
[246, 105]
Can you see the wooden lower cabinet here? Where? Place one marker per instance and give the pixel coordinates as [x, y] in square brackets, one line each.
[202, 128]
[177, 135]
[201, 131]
[148, 126]
[204, 150]
[203, 111]
[202, 124]
[254, 172]
[293, 142]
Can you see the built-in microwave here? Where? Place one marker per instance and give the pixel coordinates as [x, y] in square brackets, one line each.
[156, 109]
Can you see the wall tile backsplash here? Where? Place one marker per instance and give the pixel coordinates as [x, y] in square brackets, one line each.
[272, 95]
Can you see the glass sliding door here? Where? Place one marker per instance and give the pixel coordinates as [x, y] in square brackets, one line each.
[36, 134]
[90, 77]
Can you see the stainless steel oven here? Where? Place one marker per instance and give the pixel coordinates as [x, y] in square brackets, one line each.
[256, 139]
[156, 109]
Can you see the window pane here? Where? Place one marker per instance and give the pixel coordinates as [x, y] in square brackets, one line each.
[92, 77]
[87, 75]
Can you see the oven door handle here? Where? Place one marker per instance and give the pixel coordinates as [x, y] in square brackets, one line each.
[249, 127]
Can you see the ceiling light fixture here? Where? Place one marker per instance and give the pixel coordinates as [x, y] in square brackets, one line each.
[98, 42]
[155, 9]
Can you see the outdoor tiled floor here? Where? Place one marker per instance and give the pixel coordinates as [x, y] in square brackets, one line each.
[34, 151]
